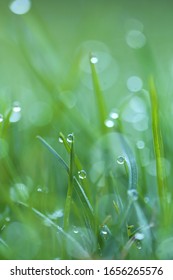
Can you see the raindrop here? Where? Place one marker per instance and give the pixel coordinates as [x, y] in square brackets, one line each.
[60, 139]
[75, 230]
[39, 190]
[135, 39]
[134, 84]
[82, 174]
[16, 113]
[57, 214]
[16, 107]
[109, 123]
[20, 7]
[139, 236]
[114, 115]
[94, 59]
[105, 232]
[70, 138]
[140, 144]
[133, 194]
[1, 118]
[7, 219]
[121, 160]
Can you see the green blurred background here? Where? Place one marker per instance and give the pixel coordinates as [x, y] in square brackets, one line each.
[45, 73]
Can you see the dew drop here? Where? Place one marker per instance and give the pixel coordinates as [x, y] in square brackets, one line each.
[105, 232]
[7, 219]
[120, 160]
[139, 236]
[94, 59]
[20, 7]
[39, 190]
[114, 115]
[109, 123]
[75, 230]
[82, 174]
[16, 113]
[60, 139]
[16, 107]
[70, 138]
[1, 118]
[140, 144]
[133, 194]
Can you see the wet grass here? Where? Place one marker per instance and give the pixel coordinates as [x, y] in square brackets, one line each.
[85, 156]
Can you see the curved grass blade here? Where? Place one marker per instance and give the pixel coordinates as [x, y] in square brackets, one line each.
[157, 139]
[63, 163]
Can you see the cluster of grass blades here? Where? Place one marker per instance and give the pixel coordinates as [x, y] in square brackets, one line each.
[109, 222]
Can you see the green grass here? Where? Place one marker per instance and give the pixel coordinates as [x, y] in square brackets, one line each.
[85, 157]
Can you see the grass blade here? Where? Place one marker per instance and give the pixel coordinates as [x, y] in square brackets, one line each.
[63, 163]
[157, 141]
[70, 187]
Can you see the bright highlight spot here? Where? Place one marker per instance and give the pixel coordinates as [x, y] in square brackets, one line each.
[109, 123]
[20, 7]
[94, 60]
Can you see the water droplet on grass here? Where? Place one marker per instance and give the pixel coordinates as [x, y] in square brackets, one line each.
[20, 7]
[40, 190]
[1, 118]
[105, 232]
[60, 139]
[114, 115]
[109, 123]
[133, 194]
[94, 59]
[139, 236]
[140, 144]
[121, 160]
[16, 113]
[82, 174]
[70, 138]
[16, 107]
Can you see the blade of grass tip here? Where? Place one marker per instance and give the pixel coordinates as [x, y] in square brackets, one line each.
[68, 148]
[63, 163]
[157, 141]
[76, 160]
[98, 94]
[70, 187]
